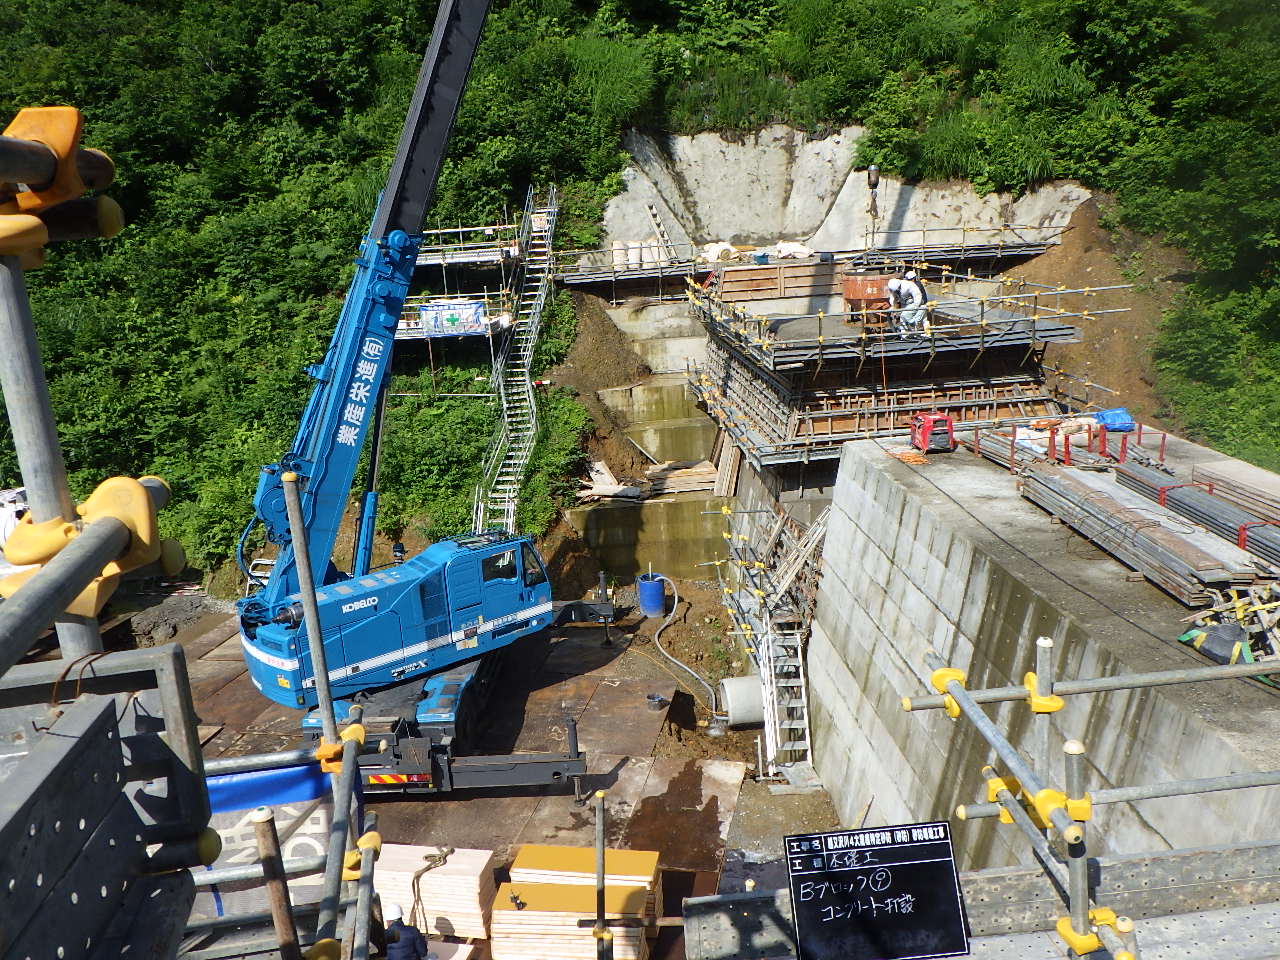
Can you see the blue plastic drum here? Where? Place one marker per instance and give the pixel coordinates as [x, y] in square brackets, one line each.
[651, 590]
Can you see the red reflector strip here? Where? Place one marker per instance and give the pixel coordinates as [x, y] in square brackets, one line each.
[399, 778]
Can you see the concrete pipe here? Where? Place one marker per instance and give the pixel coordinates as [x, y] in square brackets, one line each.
[742, 701]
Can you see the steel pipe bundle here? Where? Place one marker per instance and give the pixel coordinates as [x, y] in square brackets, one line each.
[1195, 502]
[1187, 563]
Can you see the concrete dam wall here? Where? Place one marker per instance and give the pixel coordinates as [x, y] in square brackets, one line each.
[908, 565]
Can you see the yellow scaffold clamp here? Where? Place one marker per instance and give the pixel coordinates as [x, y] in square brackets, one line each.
[120, 498]
[1088, 941]
[351, 859]
[1040, 703]
[939, 680]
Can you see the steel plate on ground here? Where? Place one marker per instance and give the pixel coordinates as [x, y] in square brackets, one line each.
[559, 820]
[618, 719]
[686, 811]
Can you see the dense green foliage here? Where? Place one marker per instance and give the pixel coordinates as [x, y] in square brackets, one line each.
[252, 137]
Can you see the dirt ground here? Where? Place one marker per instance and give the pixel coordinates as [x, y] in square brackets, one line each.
[602, 357]
[1116, 348]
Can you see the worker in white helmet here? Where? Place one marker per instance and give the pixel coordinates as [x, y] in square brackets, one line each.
[404, 942]
[907, 296]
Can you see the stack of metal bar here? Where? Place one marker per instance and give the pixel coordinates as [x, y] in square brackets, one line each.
[1193, 501]
[1248, 487]
[1182, 559]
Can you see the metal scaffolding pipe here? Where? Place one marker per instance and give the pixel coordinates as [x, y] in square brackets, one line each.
[210, 924]
[364, 895]
[1037, 839]
[35, 438]
[1012, 759]
[1077, 862]
[327, 924]
[33, 607]
[1151, 791]
[310, 609]
[264, 829]
[296, 867]
[1123, 681]
[273, 761]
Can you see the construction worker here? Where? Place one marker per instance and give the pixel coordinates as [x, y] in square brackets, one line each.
[403, 941]
[908, 297]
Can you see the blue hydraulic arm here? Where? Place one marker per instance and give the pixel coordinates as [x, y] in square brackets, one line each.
[349, 381]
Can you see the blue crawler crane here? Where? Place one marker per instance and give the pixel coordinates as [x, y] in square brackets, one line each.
[409, 641]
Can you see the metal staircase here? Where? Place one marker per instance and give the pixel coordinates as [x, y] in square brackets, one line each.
[772, 605]
[498, 492]
[780, 656]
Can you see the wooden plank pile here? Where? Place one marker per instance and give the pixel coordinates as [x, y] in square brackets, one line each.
[538, 921]
[672, 476]
[452, 898]
[681, 476]
[548, 863]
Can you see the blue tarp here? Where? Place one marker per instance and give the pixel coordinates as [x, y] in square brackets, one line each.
[1117, 419]
[265, 788]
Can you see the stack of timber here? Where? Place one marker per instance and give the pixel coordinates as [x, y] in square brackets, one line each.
[1193, 501]
[681, 476]
[546, 863]
[537, 921]
[1248, 487]
[1184, 560]
[452, 898]
[673, 476]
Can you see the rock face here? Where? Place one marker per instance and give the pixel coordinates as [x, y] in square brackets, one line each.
[777, 184]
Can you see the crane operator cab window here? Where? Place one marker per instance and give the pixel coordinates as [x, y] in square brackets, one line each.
[533, 572]
[500, 566]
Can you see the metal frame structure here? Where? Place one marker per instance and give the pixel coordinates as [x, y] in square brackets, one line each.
[103, 800]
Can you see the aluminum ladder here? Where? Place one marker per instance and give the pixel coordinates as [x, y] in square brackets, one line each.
[780, 658]
[666, 249]
[498, 493]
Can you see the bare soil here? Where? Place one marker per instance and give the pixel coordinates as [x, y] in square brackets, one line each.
[696, 636]
[1116, 348]
[600, 358]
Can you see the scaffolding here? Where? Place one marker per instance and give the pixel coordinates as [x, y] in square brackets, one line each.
[1056, 821]
[769, 593]
[104, 804]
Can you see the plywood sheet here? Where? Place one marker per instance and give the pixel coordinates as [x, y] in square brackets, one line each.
[642, 865]
[568, 900]
[451, 899]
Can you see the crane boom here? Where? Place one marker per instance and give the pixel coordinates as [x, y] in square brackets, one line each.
[326, 450]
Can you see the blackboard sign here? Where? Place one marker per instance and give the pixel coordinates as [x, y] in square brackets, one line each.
[887, 893]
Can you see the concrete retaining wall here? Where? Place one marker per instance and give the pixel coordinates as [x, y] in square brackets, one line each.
[906, 567]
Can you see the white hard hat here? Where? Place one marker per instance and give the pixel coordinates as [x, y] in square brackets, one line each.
[911, 274]
[392, 913]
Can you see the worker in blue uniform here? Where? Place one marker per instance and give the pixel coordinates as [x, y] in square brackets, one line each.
[403, 941]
